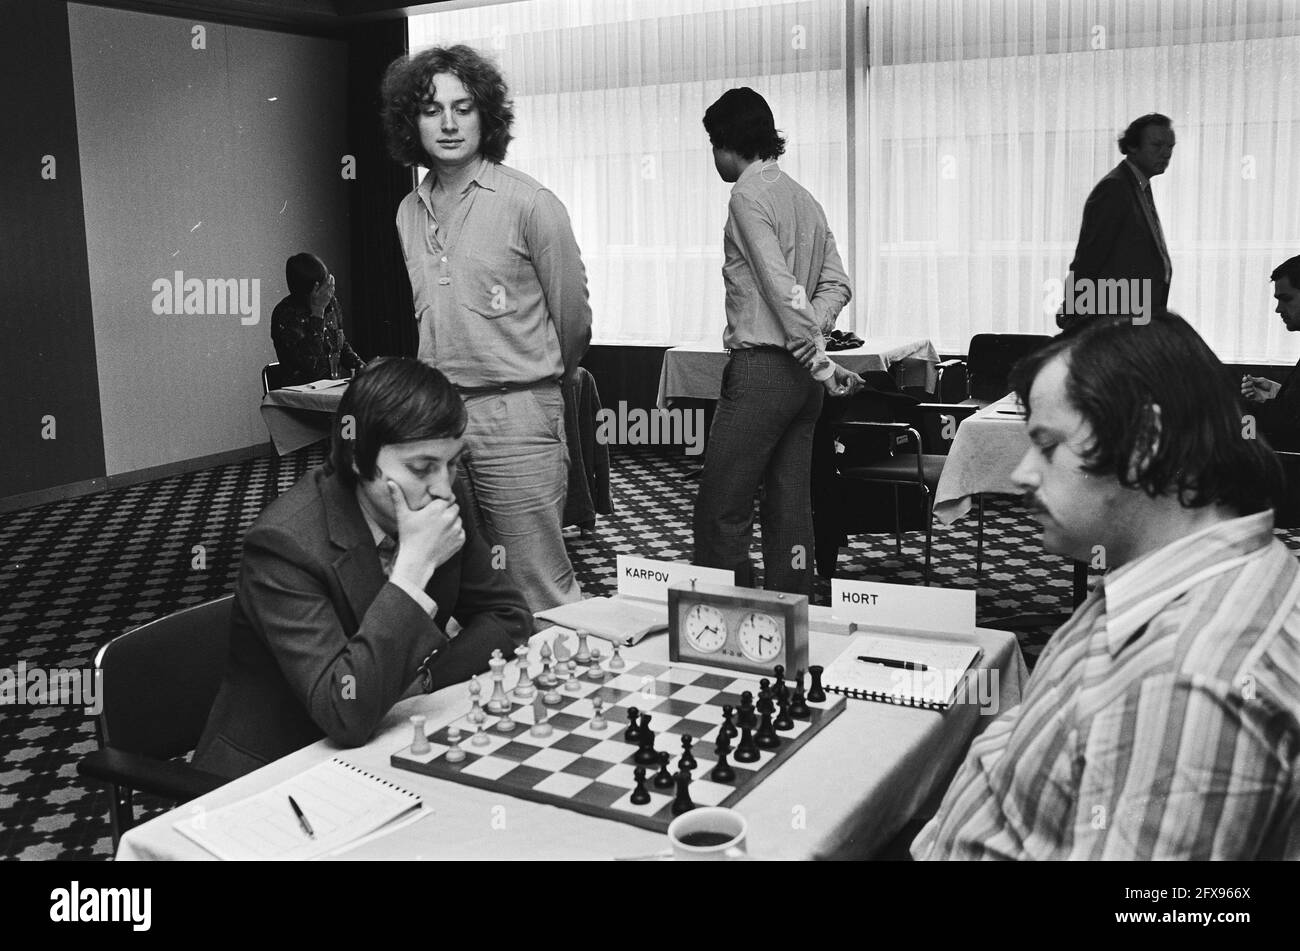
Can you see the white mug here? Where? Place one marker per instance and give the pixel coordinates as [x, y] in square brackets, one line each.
[709, 833]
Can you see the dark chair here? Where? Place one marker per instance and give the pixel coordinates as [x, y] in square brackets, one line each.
[157, 684]
[984, 374]
[1287, 513]
[894, 453]
[274, 377]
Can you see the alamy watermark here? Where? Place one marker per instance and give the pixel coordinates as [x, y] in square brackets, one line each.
[1085, 297]
[955, 685]
[181, 295]
[55, 686]
[655, 427]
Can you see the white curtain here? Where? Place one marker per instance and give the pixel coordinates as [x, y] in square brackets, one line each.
[992, 119]
[978, 129]
[609, 97]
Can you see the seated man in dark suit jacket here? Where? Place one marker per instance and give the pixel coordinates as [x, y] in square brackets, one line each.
[1277, 409]
[331, 626]
[1121, 265]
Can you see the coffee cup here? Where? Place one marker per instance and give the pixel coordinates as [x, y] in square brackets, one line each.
[708, 833]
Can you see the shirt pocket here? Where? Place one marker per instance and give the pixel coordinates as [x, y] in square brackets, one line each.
[488, 284]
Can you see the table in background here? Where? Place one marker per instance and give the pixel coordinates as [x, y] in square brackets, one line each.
[695, 372]
[984, 452]
[295, 419]
[843, 795]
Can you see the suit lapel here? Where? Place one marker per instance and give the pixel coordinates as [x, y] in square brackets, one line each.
[1153, 227]
[357, 567]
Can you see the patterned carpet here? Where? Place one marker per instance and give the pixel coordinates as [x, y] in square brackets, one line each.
[74, 574]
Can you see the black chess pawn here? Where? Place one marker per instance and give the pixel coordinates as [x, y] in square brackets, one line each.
[644, 729]
[764, 704]
[747, 750]
[723, 772]
[745, 715]
[646, 755]
[639, 795]
[682, 802]
[664, 779]
[783, 720]
[816, 693]
[687, 760]
[728, 722]
[765, 737]
[632, 734]
[781, 688]
[798, 704]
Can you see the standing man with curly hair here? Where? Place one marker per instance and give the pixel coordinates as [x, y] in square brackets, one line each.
[501, 300]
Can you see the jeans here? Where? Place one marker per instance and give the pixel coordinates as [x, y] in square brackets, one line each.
[515, 472]
[762, 433]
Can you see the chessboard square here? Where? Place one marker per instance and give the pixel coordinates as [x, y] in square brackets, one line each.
[696, 694]
[589, 768]
[705, 792]
[739, 686]
[494, 742]
[624, 681]
[489, 767]
[694, 729]
[585, 688]
[524, 777]
[572, 743]
[680, 675]
[662, 722]
[551, 760]
[564, 784]
[612, 729]
[611, 751]
[526, 736]
[611, 695]
[621, 774]
[435, 750]
[657, 801]
[646, 669]
[600, 794]
[566, 722]
[516, 751]
[677, 708]
[728, 699]
[713, 682]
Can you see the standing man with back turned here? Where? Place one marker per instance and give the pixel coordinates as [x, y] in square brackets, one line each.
[501, 301]
[1120, 239]
[785, 286]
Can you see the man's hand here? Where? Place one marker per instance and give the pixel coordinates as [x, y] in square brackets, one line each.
[843, 382]
[321, 295]
[426, 537]
[1257, 389]
[804, 351]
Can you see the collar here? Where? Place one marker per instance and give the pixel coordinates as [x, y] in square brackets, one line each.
[376, 533]
[1142, 180]
[755, 169]
[486, 175]
[1135, 593]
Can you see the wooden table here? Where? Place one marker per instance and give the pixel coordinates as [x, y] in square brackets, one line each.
[843, 795]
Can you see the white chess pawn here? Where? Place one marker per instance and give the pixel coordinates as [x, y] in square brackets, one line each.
[572, 685]
[419, 742]
[598, 722]
[616, 662]
[596, 673]
[476, 714]
[524, 689]
[480, 738]
[455, 754]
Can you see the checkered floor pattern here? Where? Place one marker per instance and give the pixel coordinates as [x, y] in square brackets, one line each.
[74, 574]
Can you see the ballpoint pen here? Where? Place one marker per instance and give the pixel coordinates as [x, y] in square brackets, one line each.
[889, 662]
[302, 819]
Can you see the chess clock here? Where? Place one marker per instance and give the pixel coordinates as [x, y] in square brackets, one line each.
[739, 628]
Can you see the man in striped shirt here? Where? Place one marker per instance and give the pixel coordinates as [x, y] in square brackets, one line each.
[1163, 720]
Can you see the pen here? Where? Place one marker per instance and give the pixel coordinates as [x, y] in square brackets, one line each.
[302, 820]
[900, 664]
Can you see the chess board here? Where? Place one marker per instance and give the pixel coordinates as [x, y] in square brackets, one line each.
[590, 771]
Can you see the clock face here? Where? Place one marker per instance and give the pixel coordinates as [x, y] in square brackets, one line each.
[760, 637]
[706, 628]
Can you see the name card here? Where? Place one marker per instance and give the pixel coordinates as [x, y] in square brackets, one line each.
[649, 579]
[949, 610]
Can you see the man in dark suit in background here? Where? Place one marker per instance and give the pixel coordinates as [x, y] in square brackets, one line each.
[307, 326]
[350, 578]
[1277, 414]
[1121, 252]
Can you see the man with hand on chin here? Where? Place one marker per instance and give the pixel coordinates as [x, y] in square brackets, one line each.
[1162, 721]
[351, 579]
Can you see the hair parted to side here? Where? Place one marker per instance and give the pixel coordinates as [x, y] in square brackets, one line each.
[742, 121]
[302, 272]
[1131, 139]
[392, 400]
[1196, 449]
[1290, 269]
[408, 87]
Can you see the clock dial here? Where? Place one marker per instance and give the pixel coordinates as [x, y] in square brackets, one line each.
[706, 628]
[760, 637]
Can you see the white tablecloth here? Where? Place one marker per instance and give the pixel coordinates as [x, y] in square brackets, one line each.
[695, 372]
[843, 795]
[985, 451]
[295, 419]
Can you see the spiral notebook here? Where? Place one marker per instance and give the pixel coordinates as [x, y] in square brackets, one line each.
[911, 671]
[341, 801]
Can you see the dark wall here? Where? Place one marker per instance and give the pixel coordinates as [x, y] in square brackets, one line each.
[46, 334]
[626, 373]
